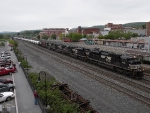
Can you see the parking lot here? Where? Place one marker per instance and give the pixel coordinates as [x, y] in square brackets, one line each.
[10, 105]
[24, 98]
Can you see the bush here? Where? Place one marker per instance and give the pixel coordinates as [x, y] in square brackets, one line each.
[54, 98]
[21, 58]
[2, 44]
[13, 42]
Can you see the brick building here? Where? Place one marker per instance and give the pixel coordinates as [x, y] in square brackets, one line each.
[85, 30]
[148, 28]
[114, 26]
[51, 31]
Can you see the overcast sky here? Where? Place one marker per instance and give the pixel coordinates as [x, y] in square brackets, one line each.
[18, 15]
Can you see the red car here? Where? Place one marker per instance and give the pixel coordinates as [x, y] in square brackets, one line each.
[6, 81]
[7, 70]
[11, 69]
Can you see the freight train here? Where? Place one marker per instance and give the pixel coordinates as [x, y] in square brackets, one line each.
[125, 64]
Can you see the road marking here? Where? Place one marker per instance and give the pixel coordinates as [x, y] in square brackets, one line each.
[15, 95]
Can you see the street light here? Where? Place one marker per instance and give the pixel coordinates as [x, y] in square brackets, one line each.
[27, 62]
[39, 79]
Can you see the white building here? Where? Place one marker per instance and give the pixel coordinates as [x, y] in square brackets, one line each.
[143, 42]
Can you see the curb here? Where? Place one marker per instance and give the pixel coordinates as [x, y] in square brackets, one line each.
[15, 95]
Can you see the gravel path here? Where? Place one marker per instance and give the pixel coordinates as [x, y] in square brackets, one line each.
[102, 98]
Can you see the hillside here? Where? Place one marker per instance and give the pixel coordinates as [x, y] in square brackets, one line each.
[134, 24]
[6, 32]
[99, 26]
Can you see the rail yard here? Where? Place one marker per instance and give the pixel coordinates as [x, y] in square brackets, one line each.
[107, 90]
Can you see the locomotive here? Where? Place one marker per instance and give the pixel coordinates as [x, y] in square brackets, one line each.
[124, 64]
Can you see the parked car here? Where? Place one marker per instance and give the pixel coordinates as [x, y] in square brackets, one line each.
[11, 68]
[6, 81]
[6, 87]
[7, 70]
[4, 62]
[3, 71]
[3, 56]
[6, 96]
[5, 52]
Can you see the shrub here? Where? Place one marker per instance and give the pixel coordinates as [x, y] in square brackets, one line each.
[2, 44]
[54, 98]
[13, 42]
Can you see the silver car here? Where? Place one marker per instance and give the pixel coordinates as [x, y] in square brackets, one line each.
[6, 87]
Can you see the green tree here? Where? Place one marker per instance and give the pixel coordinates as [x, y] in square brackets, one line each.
[36, 31]
[75, 37]
[45, 37]
[53, 36]
[1, 36]
[62, 36]
[101, 37]
[134, 35]
[144, 26]
[84, 35]
[38, 37]
[70, 35]
[13, 42]
[7, 36]
[119, 34]
[18, 34]
[2, 44]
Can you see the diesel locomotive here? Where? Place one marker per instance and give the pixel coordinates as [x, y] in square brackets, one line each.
[124, 64]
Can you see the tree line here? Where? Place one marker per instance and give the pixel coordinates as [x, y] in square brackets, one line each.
[119, 34]
[75, 37]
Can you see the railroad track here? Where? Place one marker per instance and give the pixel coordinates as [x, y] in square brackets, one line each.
[142, 86]
[83, 104]
[147, 74]
[139, 97]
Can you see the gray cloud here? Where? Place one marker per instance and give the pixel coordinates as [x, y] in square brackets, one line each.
[17, 15]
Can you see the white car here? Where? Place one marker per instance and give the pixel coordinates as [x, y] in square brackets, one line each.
[3, 56]
[6, 96]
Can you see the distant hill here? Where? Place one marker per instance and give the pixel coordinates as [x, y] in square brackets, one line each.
[99, 26]
[134, 24]
[25, 32]
[8, 33]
